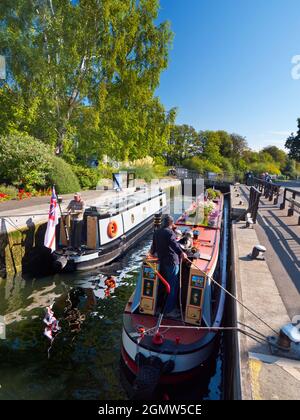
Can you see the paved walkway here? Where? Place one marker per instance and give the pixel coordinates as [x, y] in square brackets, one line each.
[281, 236]
[262, 374]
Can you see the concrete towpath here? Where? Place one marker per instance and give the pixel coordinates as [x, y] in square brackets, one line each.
[270, 287]
[280, 234]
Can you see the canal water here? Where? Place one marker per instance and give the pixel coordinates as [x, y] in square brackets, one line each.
[83, 361]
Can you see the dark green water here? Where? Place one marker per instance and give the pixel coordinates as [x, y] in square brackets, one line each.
[82, 364]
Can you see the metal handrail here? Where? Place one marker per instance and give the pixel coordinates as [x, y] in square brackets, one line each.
[162, 279]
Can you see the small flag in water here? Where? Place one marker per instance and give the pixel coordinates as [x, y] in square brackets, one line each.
[49, 240]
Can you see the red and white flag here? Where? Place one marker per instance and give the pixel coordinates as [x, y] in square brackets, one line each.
[49, 240]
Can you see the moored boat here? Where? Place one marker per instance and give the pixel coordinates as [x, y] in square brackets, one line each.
[109, 230]
[170, 349]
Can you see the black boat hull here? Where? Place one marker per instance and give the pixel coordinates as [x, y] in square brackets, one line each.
[108, 253]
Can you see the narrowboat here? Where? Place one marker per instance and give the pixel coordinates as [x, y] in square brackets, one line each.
[109, 230]
[172, 349]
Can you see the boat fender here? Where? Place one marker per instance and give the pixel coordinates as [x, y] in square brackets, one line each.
[168, 367]
[110, 282]
[148, 376]
[112, 229]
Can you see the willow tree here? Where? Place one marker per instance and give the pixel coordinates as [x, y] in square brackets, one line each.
[69, 59]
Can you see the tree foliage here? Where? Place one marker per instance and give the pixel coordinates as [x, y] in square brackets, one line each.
[86, 72]
[222, 152]
[293, 144]
[25, 161]
[184, 142]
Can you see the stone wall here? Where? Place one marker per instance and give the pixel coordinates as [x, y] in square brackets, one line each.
[22, 250]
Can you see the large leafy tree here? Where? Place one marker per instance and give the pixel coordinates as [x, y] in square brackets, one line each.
[211, 146]
[239, 145]
[226, 144]
[184, 142]
[66, 58]
[293, 144]
[278, 155]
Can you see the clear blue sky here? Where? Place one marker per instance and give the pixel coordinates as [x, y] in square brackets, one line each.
[230, 66]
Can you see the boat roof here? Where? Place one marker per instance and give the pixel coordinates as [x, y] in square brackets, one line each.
[112, 206]
[208, 240]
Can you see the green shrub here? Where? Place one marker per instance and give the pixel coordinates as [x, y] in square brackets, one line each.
[201, 165]
[25, 161]
[226, 166]
[62, 176]
[105, 171]
[260, 167]
[194, 164]
[160, 170]
[143, 172]
[87, 177]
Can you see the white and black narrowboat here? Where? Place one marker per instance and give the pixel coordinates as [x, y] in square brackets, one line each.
[109, 230]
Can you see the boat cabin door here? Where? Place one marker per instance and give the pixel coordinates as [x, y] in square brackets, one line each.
[149, 288]
[195, 297]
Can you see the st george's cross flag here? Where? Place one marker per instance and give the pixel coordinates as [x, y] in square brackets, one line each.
[49, 240]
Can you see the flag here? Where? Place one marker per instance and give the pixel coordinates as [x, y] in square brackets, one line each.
[49, 240]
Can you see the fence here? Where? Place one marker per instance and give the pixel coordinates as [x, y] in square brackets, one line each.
[294, 204]
[268, 189]
[254, 198]
[183, 173]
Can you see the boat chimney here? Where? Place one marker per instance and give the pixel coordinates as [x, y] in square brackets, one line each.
[157, 221]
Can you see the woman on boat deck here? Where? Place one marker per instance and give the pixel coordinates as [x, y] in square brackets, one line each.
[169, 253]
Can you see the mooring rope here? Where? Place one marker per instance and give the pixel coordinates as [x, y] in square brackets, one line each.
[260, 338]
[234, 297]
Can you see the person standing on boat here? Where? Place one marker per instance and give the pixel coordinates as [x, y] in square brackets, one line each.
[76, 209]
[169, 253]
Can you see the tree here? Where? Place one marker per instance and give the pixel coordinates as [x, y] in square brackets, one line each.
[277, 154]
[184, 142]
[226, 144]
[293, 144]
[63, 56]
[211, 146]
[290, 169]
[239, 145]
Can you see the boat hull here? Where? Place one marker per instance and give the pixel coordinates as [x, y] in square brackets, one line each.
[107, 253]
[184, 345]
[186, 365]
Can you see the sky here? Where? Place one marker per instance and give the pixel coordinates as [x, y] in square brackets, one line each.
[231, 67]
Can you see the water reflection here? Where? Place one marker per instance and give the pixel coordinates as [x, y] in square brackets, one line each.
[84, 356]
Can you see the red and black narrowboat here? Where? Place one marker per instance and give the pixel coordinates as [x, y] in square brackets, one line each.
[171, 350]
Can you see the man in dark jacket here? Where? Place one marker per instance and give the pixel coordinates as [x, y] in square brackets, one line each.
[169, 253]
